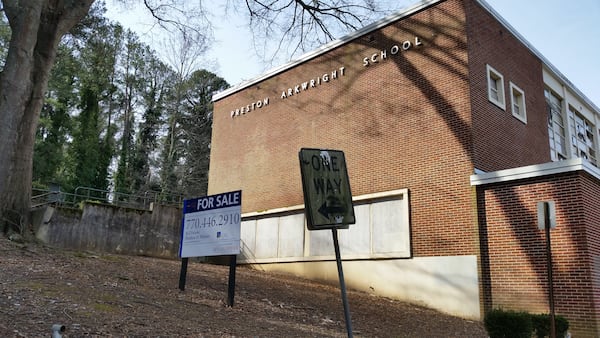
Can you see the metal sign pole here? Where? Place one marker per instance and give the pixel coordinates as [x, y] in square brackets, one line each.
[231, 286]
[183, 273]
[338, 259]
[549, 267]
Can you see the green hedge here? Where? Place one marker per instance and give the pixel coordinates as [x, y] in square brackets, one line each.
[541, 325]
[504, 324]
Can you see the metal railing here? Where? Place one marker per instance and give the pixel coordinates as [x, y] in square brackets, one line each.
[42, 197]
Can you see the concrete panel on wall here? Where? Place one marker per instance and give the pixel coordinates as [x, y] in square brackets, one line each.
[267, 236]
[390, 227]
[248, 239]
[359, 240]
[291, 235]
[321, 243]
[381, 231]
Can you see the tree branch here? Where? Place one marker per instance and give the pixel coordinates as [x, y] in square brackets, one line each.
[301, 25]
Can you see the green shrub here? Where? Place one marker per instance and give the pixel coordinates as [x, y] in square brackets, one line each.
[505, 324]
[39, 186]
[541, 325]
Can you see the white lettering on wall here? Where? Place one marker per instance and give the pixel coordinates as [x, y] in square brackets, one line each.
[313, 83]
[394, 50]
[325, 78]
[250, 107]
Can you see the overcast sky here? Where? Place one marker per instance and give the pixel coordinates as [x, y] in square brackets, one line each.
[567, 33]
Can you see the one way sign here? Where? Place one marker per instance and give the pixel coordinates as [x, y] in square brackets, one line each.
[327, 196]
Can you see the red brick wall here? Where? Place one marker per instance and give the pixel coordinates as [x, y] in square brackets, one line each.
[421, 120]
[501, 141]
[513, 248]
[402, 123]
[590, 192]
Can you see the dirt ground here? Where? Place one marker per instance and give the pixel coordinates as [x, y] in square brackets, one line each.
[115, 296]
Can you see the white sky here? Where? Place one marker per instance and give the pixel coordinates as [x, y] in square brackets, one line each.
[567, 33]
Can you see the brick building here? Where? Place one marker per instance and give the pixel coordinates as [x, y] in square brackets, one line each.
[453, 129]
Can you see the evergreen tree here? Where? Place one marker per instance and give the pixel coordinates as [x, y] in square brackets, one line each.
[55, 120]
[92, 149]
[132, 63]
[197, 126]
[86, 143]
[157, 82]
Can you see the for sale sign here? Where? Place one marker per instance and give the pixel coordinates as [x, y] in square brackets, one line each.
[211, 225]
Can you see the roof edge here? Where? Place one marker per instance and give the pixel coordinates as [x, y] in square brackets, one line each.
[536, 170]
[537, 53]
[326, 48]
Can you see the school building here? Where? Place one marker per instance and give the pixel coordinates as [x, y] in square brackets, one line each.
[454, 129]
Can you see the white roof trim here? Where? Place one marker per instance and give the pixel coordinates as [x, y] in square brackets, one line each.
[536, 170]
[326, 48]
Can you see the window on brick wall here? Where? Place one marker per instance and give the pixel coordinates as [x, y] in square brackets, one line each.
[582, 136]
[495, 87]
[556, 126]
[517, 101]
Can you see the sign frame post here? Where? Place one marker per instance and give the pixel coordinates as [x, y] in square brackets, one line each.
[183, 273]
[211, 226]
[231, 283]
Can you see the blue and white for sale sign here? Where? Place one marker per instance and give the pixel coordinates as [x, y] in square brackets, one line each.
[211, 225]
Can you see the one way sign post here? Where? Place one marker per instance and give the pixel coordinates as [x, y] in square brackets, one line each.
[328, 202]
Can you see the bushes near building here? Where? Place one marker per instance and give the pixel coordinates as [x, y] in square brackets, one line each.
[503, 324]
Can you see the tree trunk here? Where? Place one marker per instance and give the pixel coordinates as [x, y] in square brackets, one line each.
[37, 27]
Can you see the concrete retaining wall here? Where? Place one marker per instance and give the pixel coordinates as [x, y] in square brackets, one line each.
[106, 228]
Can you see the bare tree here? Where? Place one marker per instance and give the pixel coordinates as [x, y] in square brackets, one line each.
[184, 54]
[283, 29]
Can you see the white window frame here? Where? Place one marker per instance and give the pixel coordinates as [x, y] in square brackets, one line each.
[583, 140]
[557, 128]
[495, 76]
[518, 99]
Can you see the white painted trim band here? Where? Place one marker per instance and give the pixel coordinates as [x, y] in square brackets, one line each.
[377, 195]
[536, 170]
